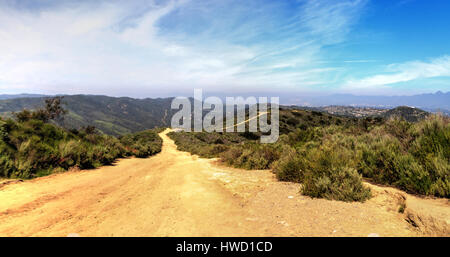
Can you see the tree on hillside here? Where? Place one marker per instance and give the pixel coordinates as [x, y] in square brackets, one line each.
[90, 130]
[53, 110]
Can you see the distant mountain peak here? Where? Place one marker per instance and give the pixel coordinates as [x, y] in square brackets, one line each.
[23, 95]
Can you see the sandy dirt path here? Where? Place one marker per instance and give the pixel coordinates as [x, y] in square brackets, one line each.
[177, 194]
[245, 121]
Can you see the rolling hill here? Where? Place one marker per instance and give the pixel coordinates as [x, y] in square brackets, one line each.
[111, 115]
[123, 115]
[14, 96]
[408, 113]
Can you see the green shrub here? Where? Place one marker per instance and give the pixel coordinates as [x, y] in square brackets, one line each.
[336, 183]
[252, 156]
[329, 159]
[231, 155]
[287, 167]
[33, 148]
[411, 156]
[432, 137]
[69, 152]
[325, 171]
[379, 159]
[328, 172]
[142, 144]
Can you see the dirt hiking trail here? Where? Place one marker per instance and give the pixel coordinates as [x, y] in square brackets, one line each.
[177, 194]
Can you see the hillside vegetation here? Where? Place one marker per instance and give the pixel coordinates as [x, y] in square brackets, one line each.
[329, 155]
[110, 115]
[31, 146]
[407, 113]
[123, 115]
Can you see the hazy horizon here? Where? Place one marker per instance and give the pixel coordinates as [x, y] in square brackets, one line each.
[429, 101]
[231, 94]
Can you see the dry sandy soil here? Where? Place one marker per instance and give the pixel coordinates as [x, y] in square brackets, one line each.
[177, 194]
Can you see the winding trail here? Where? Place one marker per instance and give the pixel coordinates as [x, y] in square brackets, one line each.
[177, 194]
[247, 120]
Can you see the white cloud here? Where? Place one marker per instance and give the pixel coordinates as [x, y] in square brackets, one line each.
[403, 72]
[121, 49]
[330, 21]
[359, 61]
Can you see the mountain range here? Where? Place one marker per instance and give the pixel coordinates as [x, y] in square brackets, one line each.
[14, 96]
[438, 101]
[122, 115]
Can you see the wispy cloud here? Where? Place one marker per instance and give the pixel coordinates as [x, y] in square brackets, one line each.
[328, 21]
[153, 47]
[404, 2]
[403, 72]
[359, 61]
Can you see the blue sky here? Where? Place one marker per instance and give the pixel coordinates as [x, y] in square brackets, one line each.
[167, 48]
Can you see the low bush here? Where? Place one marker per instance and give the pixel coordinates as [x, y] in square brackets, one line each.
[287, 168]
[330, 160]
[325, 171]
[142, 144]
[410, 156]
[31, 148]
[340, 183]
